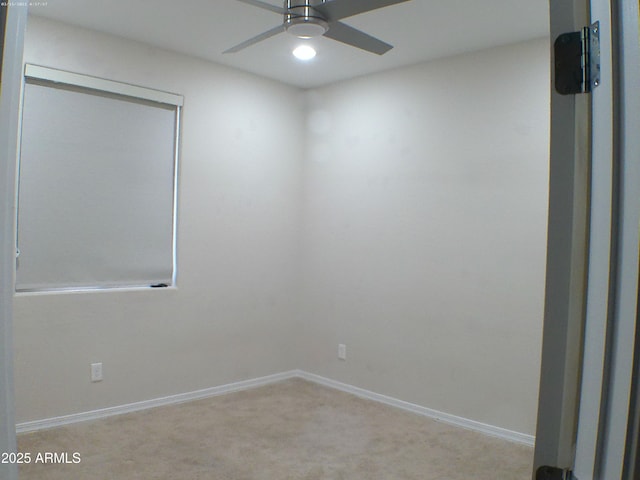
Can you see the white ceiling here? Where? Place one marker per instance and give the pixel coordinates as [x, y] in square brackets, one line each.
[420, 30]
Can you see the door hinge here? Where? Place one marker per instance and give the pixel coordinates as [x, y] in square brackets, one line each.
[577, 60]
[554, 473]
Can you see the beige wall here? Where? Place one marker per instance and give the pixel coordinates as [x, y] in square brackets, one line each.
[230, 317]
[408, 222]
[425, 232]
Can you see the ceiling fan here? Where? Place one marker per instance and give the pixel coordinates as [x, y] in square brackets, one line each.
[313, 18]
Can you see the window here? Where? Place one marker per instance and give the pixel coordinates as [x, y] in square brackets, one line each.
[97, 183]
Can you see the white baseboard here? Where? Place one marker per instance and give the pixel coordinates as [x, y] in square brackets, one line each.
[466, 423]
[156, 402]
[267, 380]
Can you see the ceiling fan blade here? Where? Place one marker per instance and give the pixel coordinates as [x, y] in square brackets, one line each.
[256, 39]
[265, 6]
[349, 35]
[334, 10]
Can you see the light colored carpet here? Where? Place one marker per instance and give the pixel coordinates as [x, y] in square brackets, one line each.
[290, 430]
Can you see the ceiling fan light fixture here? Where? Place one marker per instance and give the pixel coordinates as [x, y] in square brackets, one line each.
[304, 52]
[306, 27]
[313, 18]
[302, 20]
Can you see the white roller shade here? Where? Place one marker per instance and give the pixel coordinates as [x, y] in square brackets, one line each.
[96, 189]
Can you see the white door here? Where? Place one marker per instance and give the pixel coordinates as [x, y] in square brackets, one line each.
[610, 344]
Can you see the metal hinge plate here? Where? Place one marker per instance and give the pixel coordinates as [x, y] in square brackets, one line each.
[577, 60]
[554, 473]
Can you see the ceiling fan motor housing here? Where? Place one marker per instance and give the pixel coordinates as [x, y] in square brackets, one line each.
[303, 20]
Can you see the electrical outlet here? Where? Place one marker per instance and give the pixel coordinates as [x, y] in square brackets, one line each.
[342, 351]
[96, 372]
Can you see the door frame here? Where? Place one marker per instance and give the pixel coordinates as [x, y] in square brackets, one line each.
[567, 252]
[11, 65]
[588, 430]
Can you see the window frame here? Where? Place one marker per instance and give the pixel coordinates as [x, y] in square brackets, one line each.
[42, 74]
